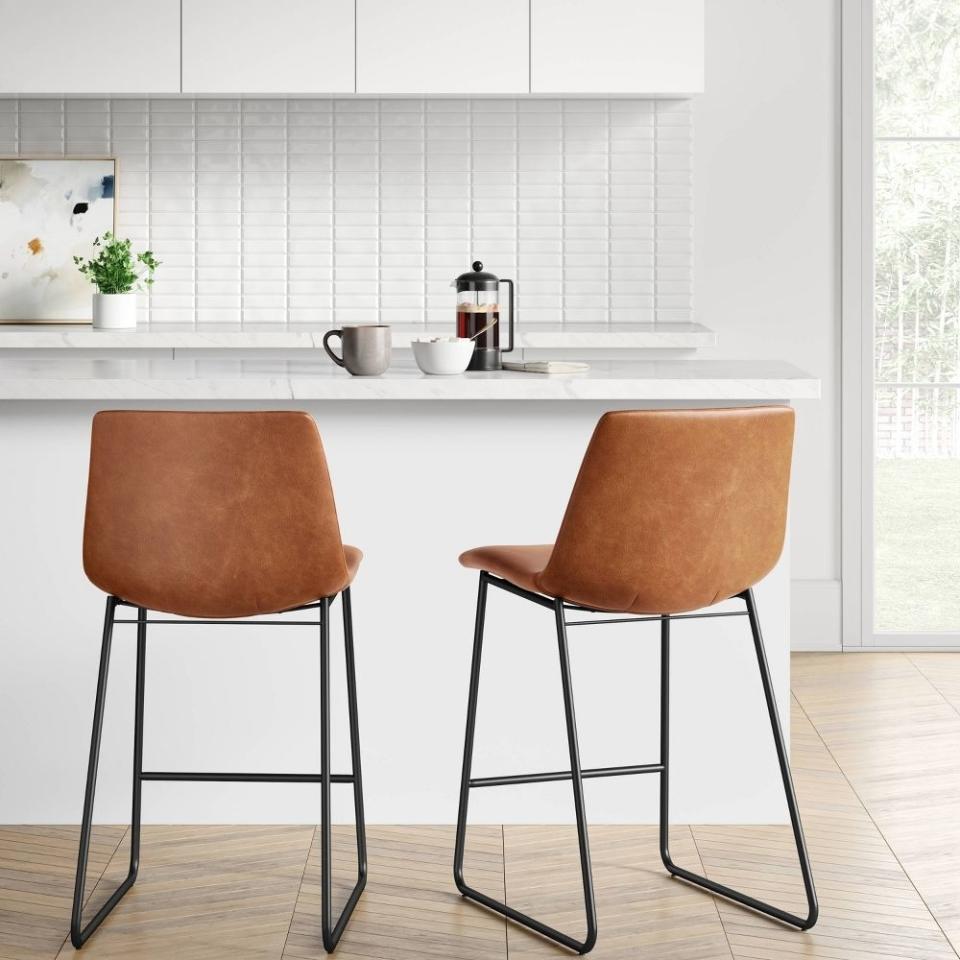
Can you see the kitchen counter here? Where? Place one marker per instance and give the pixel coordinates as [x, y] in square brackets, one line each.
[78, 377]
[416, 483]
[678, 336]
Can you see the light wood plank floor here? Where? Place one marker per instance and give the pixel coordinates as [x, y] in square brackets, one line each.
[876, 758]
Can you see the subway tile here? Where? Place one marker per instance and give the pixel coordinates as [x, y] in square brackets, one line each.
[268, 303]
[674, 302]
[307, 301]
[320, 107]
[354, 301]
[401, 287]
[632, 314]
[313, 220]
[319, 316]
[256, 272]
[393, 301]
[35, 109]
[329, 210]
[225, 260]
[597, 314]
[316, 286]
[218, 279]
[411, 259]
[255, 313]
[230, 300]
[163, 314]
[207, 315]
[674, 316]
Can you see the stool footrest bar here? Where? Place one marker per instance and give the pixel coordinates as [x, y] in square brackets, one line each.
[200, 776]
[657, 619]
[228, 623]
[591, 774]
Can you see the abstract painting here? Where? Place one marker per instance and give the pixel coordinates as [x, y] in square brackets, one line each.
[50, 211]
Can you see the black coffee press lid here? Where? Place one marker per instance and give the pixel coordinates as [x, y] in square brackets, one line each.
[477, 279]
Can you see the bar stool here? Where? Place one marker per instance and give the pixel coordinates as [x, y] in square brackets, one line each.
[211, 517]
[672, 511]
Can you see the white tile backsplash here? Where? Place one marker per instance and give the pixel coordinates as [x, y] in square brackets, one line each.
[340, 211]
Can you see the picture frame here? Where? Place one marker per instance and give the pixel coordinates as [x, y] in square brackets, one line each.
[42, 227]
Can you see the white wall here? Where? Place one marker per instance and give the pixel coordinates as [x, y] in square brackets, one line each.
[767, 247]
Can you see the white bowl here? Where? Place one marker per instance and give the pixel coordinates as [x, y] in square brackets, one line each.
[443, 357]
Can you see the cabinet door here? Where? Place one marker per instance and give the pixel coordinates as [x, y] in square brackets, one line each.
[617, 46]
[284, 46]
[98, 46]
[443, 46]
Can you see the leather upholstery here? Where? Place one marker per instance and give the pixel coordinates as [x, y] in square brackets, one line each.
[212, 514]
[520, 565]
[672, 511]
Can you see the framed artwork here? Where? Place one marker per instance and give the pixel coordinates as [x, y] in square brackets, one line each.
[50, 211]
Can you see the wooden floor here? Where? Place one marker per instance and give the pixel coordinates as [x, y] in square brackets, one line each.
[876, 758]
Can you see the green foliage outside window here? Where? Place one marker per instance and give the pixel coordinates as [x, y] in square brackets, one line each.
[917, 223]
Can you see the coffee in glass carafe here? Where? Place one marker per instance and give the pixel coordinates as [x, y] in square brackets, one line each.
[478, 316]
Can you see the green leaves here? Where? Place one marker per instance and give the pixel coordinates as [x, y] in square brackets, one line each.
[917, 67]
[115, 268]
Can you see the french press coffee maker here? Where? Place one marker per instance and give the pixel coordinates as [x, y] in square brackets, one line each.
[478, 316]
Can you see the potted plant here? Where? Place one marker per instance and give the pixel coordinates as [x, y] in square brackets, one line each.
[117, 274]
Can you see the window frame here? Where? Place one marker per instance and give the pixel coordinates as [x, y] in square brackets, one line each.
[857, 332]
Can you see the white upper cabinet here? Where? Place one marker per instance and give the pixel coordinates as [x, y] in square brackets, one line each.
[283, 46]
[617, 46]
[98, 46]
[372, 47]
[443, 46]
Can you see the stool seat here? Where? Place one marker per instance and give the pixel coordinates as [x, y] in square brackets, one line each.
[672, 511]
[520, 564]
[352, 556]
[214, 514]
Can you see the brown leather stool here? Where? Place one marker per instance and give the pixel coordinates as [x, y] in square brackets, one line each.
[215, 516]
[672, 511]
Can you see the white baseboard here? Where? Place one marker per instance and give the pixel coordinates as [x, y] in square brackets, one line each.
[815, 615]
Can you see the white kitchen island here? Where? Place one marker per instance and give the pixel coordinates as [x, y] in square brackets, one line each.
[423, 468]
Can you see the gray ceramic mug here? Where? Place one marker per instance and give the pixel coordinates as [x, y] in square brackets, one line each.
[366, 348]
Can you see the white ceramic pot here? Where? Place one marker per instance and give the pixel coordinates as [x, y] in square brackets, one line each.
[114, 311]
[443, 357]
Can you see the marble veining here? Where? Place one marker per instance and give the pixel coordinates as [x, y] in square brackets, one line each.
[684, 335]
[314, 378]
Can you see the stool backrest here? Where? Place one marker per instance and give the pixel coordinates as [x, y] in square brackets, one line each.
[211, 514]
[674, 510]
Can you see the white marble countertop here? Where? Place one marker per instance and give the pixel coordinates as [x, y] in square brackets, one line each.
[684, 336]
[77, 377]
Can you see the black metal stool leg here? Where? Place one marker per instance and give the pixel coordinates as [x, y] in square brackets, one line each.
[460, 846]
[577, 780]
[516, 916]
[333, 932]
[718, 888]
[78, 933]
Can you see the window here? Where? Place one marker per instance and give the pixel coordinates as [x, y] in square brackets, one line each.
[911, 467]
